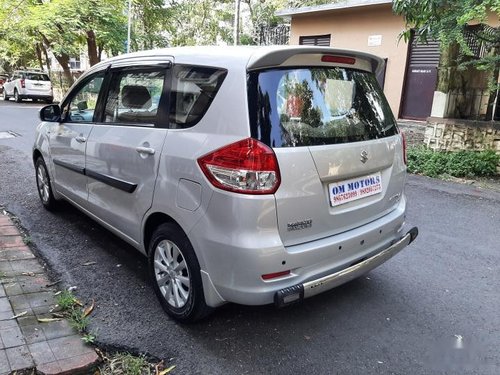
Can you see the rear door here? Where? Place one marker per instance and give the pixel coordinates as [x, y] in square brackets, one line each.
[123, 151]
[338, 148]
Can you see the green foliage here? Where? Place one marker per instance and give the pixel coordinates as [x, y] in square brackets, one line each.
[30, 28]
[27, 240]
[126, 364]
[66, 300]
[71, 307]
[445, 20]
[78, 320]
[422, 160]
[89, 338]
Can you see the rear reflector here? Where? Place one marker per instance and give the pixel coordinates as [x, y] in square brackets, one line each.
[338, 59]
[275, 275]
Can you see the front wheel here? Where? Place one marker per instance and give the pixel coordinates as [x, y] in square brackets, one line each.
[175, 273]
[43, 185]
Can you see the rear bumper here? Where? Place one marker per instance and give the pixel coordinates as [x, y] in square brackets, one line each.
[311, 288]
[44, 96]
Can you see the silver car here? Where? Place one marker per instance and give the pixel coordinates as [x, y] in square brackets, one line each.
[252, 175]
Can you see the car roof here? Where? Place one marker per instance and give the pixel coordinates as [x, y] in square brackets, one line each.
[30, 71]
[246, 57]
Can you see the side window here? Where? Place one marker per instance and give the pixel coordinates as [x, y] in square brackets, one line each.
[193, 89]
[81, 106]
[134, 96]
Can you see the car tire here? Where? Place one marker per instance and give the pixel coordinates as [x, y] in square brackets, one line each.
[175, 273]
[17, 98]
[4, 95]
[44, 186]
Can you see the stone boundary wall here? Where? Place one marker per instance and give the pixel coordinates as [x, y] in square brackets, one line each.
[444, 134]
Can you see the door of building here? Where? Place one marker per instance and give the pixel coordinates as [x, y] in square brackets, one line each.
[420, 80]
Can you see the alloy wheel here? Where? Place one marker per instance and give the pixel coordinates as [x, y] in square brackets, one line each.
[42, 182]
[172, 274]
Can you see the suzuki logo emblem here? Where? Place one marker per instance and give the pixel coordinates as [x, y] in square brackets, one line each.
[364, 156]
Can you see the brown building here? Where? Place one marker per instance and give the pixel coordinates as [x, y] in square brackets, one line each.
[371, 26]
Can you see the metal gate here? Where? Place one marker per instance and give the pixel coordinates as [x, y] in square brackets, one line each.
[420, 81]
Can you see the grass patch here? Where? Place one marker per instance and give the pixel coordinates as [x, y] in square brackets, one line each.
[422, 160]
[27, 240]
[66, 300]
[126, 364]
[77, 316]
[130, 364]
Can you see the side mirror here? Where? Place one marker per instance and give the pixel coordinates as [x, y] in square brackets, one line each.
[50, 113]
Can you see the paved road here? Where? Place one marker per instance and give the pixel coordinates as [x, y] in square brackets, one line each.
[401, 318]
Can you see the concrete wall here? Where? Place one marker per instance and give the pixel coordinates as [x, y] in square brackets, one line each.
[350, 28]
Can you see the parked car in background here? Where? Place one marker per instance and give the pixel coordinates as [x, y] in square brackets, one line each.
[25, 84]
[246, 175]
[3, 78]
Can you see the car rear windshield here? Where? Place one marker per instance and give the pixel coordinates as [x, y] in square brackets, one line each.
[36, 77]
[317, 106]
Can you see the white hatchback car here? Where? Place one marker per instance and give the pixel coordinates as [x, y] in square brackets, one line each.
[23, 84]
[247, 175]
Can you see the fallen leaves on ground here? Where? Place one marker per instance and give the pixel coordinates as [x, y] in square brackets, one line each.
[88, 310]
[19, 315]
[48, 320]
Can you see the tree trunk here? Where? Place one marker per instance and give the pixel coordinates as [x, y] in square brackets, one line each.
[92, 48]
[63, 60]
[39, 55]
[47, 60]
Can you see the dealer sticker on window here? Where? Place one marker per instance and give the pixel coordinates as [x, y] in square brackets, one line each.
[356, 188]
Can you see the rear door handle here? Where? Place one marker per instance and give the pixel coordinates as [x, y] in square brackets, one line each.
[145, 150]
[81, 139]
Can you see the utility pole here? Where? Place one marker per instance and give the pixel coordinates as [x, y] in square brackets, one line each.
[129, 24]
[236, 31]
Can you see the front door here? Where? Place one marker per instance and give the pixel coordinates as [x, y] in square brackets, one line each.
[123, 151]
[420, 81]
[68, 139]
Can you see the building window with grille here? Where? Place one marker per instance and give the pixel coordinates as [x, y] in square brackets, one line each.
[74, 63]
[315, 40]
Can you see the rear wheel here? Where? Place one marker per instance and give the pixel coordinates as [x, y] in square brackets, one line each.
[17, 98]
[175, 272]
[43, 185]
[4, 94]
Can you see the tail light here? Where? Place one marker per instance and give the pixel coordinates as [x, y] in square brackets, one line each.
[404, 148]
[23, 84]
[247, 167]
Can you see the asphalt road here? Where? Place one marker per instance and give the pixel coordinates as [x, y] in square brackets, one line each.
[406, 317]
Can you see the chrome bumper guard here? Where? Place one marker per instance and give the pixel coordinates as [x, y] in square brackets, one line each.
[296, 293]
